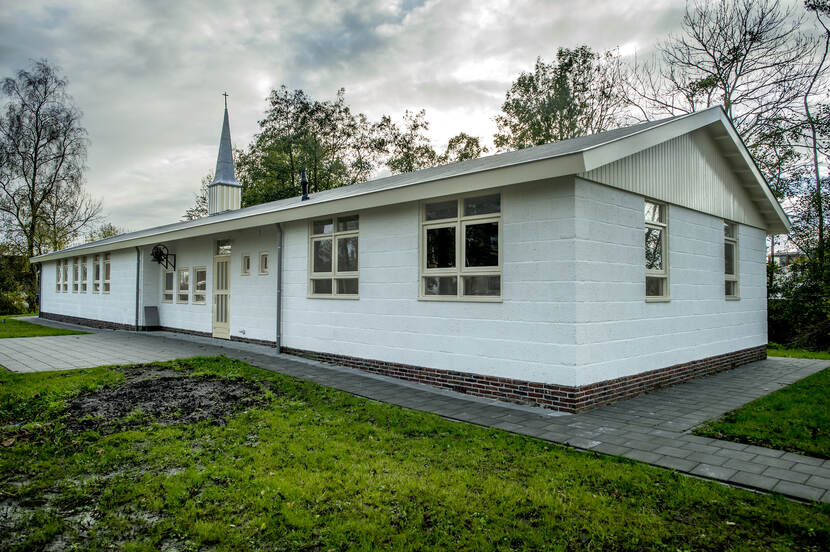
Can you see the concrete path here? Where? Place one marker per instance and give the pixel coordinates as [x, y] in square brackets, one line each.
[653, 428]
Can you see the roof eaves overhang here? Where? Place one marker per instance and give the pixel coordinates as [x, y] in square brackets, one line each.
[544, 169]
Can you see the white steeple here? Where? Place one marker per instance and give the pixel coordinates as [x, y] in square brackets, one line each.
[224, 193]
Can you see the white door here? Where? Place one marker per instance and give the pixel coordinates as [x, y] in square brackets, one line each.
[221, 296]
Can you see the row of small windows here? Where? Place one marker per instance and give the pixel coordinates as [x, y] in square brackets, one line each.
[657, 259]
[74, 274]
[177, 284]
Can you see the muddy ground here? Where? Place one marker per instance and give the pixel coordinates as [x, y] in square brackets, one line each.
[151, 394]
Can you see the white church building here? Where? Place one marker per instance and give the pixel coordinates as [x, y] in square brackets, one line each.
[567, 275]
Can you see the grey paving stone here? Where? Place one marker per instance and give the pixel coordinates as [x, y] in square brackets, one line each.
[643, 456]
[811, 469]
[673, 451]
[730, 445]
[786, 475]
[821, 482]
[675, 463]
[743, 465]
[609, 448]
[713, 472]
[703, 458]
[774, 462]
[736, 454]
[754, 480]
[764, 451]
[798, 490]
[802, 459]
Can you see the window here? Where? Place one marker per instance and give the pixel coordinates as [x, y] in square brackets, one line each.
[58, 277]
[169, 282]
[263, 263]
[199, 285]
[75, 278]
[223, 247]
[65, 272]
[246, 265]
[333, 250]
[460, 249]
[730, 260]
[83, 274]
[96, 274]
[184, 286]
[657, 273]
[106, 272]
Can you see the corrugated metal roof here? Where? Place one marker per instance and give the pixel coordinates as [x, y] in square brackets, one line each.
[501, 160]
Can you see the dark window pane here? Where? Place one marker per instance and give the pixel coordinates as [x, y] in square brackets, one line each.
[347, 254]
[441, 285]
[322, 256]
[441, 247]
[655, 287]
[482, 285]
[729, 258]
[347, 286]
[728, 230]
[731, 288]
[223, 247]
[482, 205]
[654, 249]
[441, 210]
[321, 287]
[482, 244]
[324, 226]
[654, 212]
[345, 224]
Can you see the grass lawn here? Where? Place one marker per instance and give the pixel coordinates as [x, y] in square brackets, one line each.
[795, 418]
[289, 465]
[797, 353]
[9, 327]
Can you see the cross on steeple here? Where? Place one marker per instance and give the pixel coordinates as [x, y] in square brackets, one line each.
[226, 99]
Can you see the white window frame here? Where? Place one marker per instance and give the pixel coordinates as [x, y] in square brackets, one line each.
[663, 273]
[65, 278]
[58, 272]
[96, 273]
[179, 273]
[265, 255]
[731, 277]
[106, 273]
[84, 274]
[246, 264]
[75, 275]
[197, 292]
[335, 274]
[460, 222]
[165, 292]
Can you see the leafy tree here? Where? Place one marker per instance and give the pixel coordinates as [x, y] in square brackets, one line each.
[104, 231]
[461, 147]
[407, 149]
[579, 93]
[200, 203]
[42, 156]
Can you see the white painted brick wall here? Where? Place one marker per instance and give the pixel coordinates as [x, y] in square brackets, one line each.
[116, 306]
[526, 336]
[617, 332]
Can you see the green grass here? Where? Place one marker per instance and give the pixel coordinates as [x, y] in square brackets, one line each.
[795, 418]
[9, 327]
[778, 351]
[318, 469]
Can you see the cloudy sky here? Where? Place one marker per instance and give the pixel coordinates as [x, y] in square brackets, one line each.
[149, 75]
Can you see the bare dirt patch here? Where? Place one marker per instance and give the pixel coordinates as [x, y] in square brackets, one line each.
[152, 394]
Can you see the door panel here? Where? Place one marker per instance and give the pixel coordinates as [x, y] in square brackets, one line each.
[221, 297]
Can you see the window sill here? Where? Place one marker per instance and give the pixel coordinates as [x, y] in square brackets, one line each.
[658, 299]
[347, 297]
[456, 299]
[732, 298]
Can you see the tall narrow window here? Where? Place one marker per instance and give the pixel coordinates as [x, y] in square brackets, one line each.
[246, 265]
[96, 274]
[65, 281]
[58, 271]
[169, 281]
[83, 274]
[460, 248]
[106, 272]
[199, 285]
[75, 274]
[263, 263]
[730, 260]
[184, 286]
[657, 262]
[333, 248]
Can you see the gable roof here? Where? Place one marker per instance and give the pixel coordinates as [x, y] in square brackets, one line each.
[535, 163]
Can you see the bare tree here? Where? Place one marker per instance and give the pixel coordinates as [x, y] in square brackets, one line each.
[42, 156]
[749, 56]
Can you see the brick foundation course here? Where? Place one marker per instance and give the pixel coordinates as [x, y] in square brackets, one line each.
[557, 397]
[92, 323]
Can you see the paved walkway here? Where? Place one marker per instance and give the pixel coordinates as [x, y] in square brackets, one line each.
[652, 428]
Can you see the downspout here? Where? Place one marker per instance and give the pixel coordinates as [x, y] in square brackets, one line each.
[279, 288]
[39, 289]
[137, 284]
